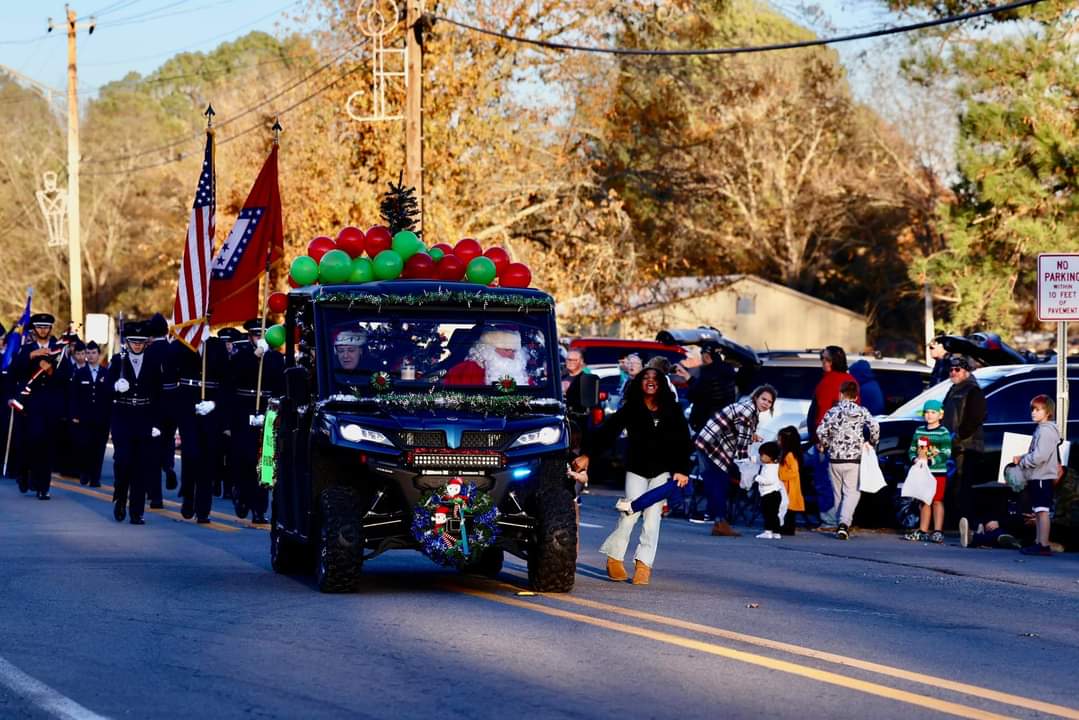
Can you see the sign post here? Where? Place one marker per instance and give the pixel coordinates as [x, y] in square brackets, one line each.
[1058, 301]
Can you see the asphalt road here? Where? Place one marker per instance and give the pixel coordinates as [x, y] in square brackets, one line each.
[173, 619]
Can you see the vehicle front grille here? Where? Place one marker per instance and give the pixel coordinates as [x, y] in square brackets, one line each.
[455, 460]
[422, 438]
[479, 440]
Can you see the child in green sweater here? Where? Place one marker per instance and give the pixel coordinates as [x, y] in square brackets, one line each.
[932, 444]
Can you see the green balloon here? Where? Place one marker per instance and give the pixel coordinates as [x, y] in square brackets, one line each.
[304, 270]
[406, 244]
[334, 267]
[481, 270]
[362, 270]
[388, 265]
[275, 336]
[436, 254]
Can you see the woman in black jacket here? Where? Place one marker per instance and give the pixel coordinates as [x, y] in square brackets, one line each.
[659, 446]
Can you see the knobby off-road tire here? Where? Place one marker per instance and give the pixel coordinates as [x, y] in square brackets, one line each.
[288, 557]
[340, 541]
[552, 557]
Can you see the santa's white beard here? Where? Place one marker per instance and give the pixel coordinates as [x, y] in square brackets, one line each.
[496, 367]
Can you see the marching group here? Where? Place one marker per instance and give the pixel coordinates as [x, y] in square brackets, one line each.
[64, 402]
[664, 450]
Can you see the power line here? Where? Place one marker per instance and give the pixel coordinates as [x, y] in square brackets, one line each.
[244, 112]
[150, 80]
[737, 50]
[111, 8]
[245, 131]
[200, 42]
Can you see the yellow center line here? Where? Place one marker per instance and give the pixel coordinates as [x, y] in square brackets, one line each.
[899, 673]
[769, 663]
[94, 493]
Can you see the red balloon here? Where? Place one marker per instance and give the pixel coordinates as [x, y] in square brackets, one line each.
[378, 239]
[467, 249]
[319, 247]
[351, 240]
[420, 266]
[499, 257]
[277, 302]
[446, 248]
[451, 267]
[515, 275]
[292, 283]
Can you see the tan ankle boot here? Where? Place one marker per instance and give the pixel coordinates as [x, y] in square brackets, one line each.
[616, 570]
[641, 573]
[723, 529]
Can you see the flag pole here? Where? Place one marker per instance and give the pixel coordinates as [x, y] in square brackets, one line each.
[266, 287]
[7, 448]
[203, 345]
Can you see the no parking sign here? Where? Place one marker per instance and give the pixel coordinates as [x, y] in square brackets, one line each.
[1058, 287]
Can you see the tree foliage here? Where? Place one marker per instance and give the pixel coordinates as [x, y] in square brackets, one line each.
[1017, 160]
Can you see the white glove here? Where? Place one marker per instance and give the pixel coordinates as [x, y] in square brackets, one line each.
[121, 386]
[154, 432]
[256, 420]
[261, 347]
[205, 407]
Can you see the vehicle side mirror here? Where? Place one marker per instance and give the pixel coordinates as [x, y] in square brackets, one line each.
[589, 385]
[296, 385]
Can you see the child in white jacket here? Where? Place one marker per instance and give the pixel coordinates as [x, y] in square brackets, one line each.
[774, 500]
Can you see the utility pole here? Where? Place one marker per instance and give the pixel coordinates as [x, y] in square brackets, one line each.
[74, 244]
[414, 100]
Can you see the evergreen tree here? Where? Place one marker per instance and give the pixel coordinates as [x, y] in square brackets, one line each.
[399, 208]
[1017, 161]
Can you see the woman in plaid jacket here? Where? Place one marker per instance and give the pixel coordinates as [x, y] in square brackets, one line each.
[726, 437]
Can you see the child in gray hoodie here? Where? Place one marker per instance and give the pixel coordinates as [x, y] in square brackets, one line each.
[1041, 467]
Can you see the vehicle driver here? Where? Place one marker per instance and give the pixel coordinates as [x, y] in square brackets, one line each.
[348, 348]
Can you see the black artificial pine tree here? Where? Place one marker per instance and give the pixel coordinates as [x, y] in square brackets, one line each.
[399, 207]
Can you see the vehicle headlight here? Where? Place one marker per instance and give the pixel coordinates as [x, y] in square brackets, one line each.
[544, 436]
[356, 433]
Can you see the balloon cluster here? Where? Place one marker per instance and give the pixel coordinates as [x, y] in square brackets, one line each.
[359, 257]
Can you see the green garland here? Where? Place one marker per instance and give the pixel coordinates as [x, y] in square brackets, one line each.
[268, 457]
[436, 297]
[465, 402]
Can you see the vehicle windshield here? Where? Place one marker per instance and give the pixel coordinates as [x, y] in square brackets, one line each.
[984, 376]
[374, 351]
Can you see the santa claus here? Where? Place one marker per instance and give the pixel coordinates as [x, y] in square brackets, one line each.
[497, 354]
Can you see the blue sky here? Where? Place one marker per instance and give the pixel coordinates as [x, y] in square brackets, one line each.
[141, 34]
[130, 35]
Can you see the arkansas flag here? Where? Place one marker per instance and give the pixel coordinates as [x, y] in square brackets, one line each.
[256, 242]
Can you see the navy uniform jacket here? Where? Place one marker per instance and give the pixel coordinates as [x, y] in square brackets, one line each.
[141, 402]
[90, 400]
[183, 366]
[244, 370]
[43, 404]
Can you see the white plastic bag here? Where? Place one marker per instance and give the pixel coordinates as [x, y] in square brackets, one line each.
[920, 483]
[870, 477]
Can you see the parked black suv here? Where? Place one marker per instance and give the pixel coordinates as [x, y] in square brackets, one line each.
[1008, 391]
[381, 441]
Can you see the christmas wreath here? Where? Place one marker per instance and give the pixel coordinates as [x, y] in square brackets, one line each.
[381, 382]
[506, 385]
[455, 523]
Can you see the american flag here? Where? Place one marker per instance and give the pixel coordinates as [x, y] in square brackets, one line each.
[193, 291]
